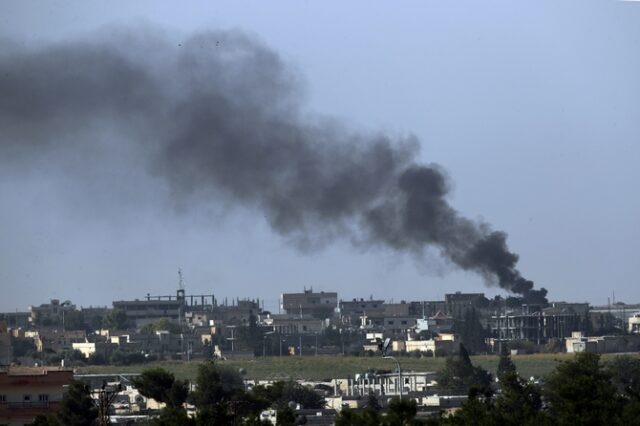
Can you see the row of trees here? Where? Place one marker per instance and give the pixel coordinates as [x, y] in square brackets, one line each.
[581, 391]
[220, 398]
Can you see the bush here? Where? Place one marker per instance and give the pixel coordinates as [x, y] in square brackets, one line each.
[97, 359]
[120, 357]
[441, 352]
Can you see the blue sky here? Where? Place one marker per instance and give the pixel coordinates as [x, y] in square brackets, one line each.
[531, 107]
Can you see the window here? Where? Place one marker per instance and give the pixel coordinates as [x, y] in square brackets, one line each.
[3, 398]
[43, 397]
[404, 322]
[26, 398]
[389, 322]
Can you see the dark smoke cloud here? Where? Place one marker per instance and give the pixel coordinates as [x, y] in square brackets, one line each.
[219, 117]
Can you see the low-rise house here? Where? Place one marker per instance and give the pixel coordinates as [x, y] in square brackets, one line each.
[56, 340]
[399, 325]
[440, 345]
[90, 348]
[634, 323]
[602, 344]
[438, 323]
[294, 324]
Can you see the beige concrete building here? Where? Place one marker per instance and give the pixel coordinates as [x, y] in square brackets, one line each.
[28, 392]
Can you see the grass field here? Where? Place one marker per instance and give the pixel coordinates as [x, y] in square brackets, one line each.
[324, 367]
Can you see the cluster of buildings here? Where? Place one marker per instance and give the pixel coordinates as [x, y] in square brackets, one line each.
[191, 326]
[34, 345]
[188, 326]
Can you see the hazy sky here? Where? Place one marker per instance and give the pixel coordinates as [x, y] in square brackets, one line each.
[531, 108]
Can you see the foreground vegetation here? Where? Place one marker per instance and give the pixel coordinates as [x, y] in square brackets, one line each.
[324, 367]
[581, 390]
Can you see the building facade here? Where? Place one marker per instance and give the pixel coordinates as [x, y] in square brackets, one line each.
[29, 392]
[319, 305]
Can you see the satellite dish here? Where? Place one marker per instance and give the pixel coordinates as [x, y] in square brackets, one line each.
[383, 346]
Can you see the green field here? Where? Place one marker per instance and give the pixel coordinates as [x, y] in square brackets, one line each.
[325, 367]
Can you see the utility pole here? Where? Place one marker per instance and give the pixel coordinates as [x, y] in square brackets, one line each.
[400, 384]
[384, 346]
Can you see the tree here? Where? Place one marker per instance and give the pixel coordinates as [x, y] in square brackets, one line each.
[460, 375]
[74, 320]
[401, 412]
[471, 331]
[161, 324]
[161, 385]
[281, 393]
[625, 373]
[116, 320]
[219, 395]
[373, 403]
[286, 417]
[172, 416]
[505, 365]
[475, 411]
[122, 357]
[580, 391]
[77, 407]
[519, 402]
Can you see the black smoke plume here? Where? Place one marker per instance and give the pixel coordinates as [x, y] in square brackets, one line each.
[218, 116]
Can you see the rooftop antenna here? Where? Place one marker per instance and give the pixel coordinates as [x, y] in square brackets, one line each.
[180, 279]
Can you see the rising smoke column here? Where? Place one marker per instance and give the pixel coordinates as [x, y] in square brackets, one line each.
[219, 116]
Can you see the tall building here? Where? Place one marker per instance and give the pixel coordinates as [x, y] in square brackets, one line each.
[351, 311]
[50, 313]
[319, 305]
[457, 303]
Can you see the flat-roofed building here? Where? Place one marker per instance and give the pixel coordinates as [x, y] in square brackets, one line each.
[457, 303]
[293, 324]
[27, 392]
[352, 310]
[396, 309]
[16, 319]
[634, 323]
[143, 312]
[319, 305]
[50, 313]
